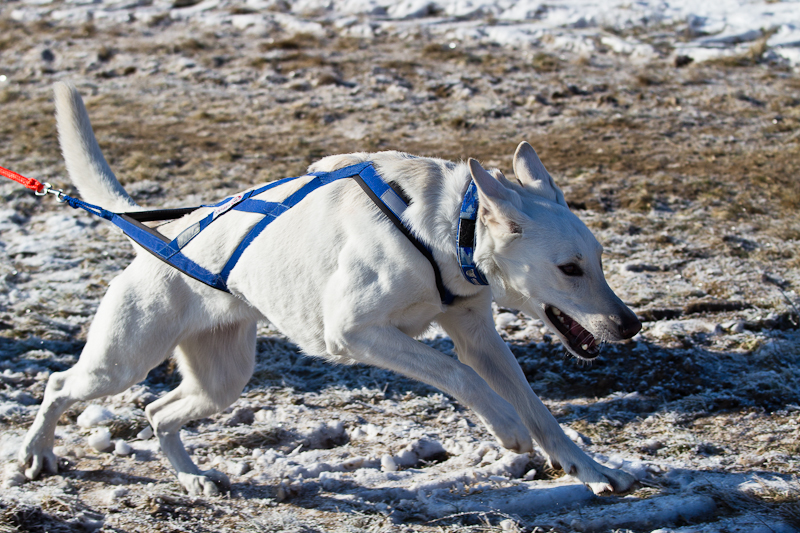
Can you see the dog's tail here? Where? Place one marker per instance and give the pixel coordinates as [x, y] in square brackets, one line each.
[86, 165]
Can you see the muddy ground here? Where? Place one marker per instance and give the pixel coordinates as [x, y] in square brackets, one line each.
[689, 175]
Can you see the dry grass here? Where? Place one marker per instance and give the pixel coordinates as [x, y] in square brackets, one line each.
[251, 439]
[297, 41]
[627, 141]
[772, 498]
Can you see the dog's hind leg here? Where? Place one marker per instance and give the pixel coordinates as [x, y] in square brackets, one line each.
[130, 334]
[216, 365]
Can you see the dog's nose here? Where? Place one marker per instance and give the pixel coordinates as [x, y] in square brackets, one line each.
[630, 325]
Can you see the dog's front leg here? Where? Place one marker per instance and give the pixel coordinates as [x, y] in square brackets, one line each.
[470, 325]
[387, 347]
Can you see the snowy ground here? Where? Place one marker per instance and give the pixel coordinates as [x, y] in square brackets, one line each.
[701, 30]
[686, 171]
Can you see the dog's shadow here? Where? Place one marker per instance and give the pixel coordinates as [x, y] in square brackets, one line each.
[107, 476]
[685, 377]
[632, 380]
[683, 374]
[706, 492]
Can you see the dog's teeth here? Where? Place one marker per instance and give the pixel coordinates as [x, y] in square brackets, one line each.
[561, 319]
[557, 312]
[585, 347]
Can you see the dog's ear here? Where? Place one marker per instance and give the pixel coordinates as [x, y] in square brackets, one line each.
[499, 176]
[531, 173]
[497, 207]
[489, 186]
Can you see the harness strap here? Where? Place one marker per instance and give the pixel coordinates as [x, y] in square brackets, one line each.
[160, 214]
[159, 245]
[271, 211]
[393, 206]
[239, 202]
[380, 192]
[387, 199]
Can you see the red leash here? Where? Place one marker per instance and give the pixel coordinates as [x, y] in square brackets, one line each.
[30, 183]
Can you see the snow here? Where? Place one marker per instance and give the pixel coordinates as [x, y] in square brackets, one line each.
[716, 28]
[94, 415]
[122, 448]
[643, 514]
[100, 439]
[145, 434]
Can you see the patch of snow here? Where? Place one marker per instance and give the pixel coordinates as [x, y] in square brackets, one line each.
[145, 434]
[100, 439]
[642, 514]
[682, 328]
[715, 27]
[112, 496]
[12, 475]
[94, 415]
[122, 448]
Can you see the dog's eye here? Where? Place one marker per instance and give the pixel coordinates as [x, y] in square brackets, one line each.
[571, 269]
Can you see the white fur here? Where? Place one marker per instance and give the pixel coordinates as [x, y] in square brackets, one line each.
[343, 283]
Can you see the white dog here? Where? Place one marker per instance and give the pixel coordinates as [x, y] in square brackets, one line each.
[339, 279]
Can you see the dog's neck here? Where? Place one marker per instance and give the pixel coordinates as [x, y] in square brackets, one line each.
[436, 189]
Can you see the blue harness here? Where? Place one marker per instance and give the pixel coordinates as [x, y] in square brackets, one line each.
[388, 200]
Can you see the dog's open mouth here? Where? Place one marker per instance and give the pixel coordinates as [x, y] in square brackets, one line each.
[580, 341]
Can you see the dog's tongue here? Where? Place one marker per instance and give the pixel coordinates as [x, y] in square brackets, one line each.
[581, 335]
[575, 329]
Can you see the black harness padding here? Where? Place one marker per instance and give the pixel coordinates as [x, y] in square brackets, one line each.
[160, 214]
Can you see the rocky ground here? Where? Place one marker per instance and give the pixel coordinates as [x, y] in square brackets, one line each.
[686, 171]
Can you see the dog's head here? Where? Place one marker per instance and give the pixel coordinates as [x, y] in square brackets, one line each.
[540, 258]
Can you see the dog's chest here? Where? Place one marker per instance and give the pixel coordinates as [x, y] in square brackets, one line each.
[416, 319]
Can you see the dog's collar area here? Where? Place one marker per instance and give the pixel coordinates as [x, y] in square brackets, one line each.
[465, 238]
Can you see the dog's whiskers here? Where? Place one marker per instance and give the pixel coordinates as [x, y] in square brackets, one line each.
[585, 336]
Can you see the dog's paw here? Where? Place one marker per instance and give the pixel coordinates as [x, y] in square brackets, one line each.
[603, 480]
[33, 458]
[516, 439]
[208, 483]
[507, 428]
[13, 475]
[617, 482]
